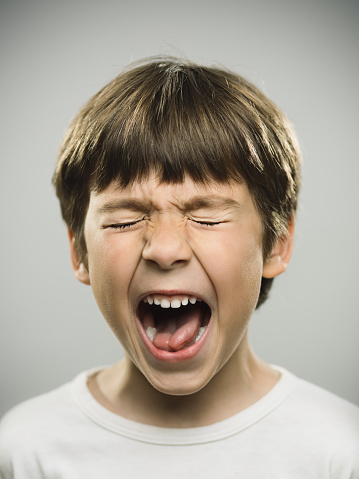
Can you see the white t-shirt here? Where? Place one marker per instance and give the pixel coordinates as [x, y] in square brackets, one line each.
[297, 431]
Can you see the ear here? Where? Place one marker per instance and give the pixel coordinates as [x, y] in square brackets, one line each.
[279, 258]
[79, 269]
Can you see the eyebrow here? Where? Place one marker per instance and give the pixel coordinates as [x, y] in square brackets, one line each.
[193, 204]
[210, 201]
[132, 204]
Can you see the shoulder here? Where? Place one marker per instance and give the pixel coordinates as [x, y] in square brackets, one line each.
[315, 405]
[318, 404]
[35, 432]
[307, 407]
[326, 423]
[31, 415]
[34, 427]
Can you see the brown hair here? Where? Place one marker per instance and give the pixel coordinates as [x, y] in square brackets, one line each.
[176, 118]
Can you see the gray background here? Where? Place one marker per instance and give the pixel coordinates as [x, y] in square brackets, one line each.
[56, 54]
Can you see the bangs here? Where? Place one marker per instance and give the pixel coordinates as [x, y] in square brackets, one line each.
[174, 126]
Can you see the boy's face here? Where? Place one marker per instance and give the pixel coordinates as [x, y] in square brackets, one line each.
[168, 244]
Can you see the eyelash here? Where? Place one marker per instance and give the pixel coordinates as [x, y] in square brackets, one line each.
[122, 226]
[207, 223]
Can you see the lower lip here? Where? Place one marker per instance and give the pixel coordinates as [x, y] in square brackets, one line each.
[176, 356]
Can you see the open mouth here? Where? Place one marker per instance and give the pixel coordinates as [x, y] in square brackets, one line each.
[173, 323]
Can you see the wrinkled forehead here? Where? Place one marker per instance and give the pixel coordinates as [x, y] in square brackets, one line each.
[154, 191]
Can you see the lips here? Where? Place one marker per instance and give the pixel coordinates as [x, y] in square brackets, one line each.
[173, 326]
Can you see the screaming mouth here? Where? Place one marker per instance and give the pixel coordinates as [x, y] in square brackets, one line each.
[173, 323]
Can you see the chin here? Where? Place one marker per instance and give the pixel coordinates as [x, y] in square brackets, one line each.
[178, 384]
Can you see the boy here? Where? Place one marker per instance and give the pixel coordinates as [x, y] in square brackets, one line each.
[179, 185]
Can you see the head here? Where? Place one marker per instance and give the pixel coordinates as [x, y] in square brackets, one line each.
[177, 120]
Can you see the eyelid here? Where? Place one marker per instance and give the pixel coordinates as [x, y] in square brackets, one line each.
[130, 224]
[123, 226]
[206, 223]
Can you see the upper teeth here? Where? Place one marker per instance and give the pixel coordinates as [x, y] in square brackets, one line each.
[174, 303]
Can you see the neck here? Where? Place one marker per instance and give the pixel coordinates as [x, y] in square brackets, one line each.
[241, 382]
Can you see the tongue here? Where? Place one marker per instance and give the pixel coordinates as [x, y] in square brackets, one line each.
[178, 332]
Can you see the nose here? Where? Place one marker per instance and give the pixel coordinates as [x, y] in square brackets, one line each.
[167, 246]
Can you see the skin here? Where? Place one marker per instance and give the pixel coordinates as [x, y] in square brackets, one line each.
[173, 239]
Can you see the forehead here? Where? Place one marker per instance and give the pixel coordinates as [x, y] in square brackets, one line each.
[159, 193]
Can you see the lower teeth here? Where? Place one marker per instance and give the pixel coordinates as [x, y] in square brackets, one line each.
[151, 333]
[200, 332]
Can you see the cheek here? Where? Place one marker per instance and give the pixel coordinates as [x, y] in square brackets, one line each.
[235, 268]
[237, 286]
[241, 281]
[111, 267]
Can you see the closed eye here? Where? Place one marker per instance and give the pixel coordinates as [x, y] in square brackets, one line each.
[123, 226]
[207, 223]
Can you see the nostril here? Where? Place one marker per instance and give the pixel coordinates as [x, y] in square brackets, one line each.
[166, 262]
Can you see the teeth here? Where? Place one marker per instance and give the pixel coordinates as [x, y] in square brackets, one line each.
[200, 332]
[151, 333]
[175, 303]
[165, 303]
